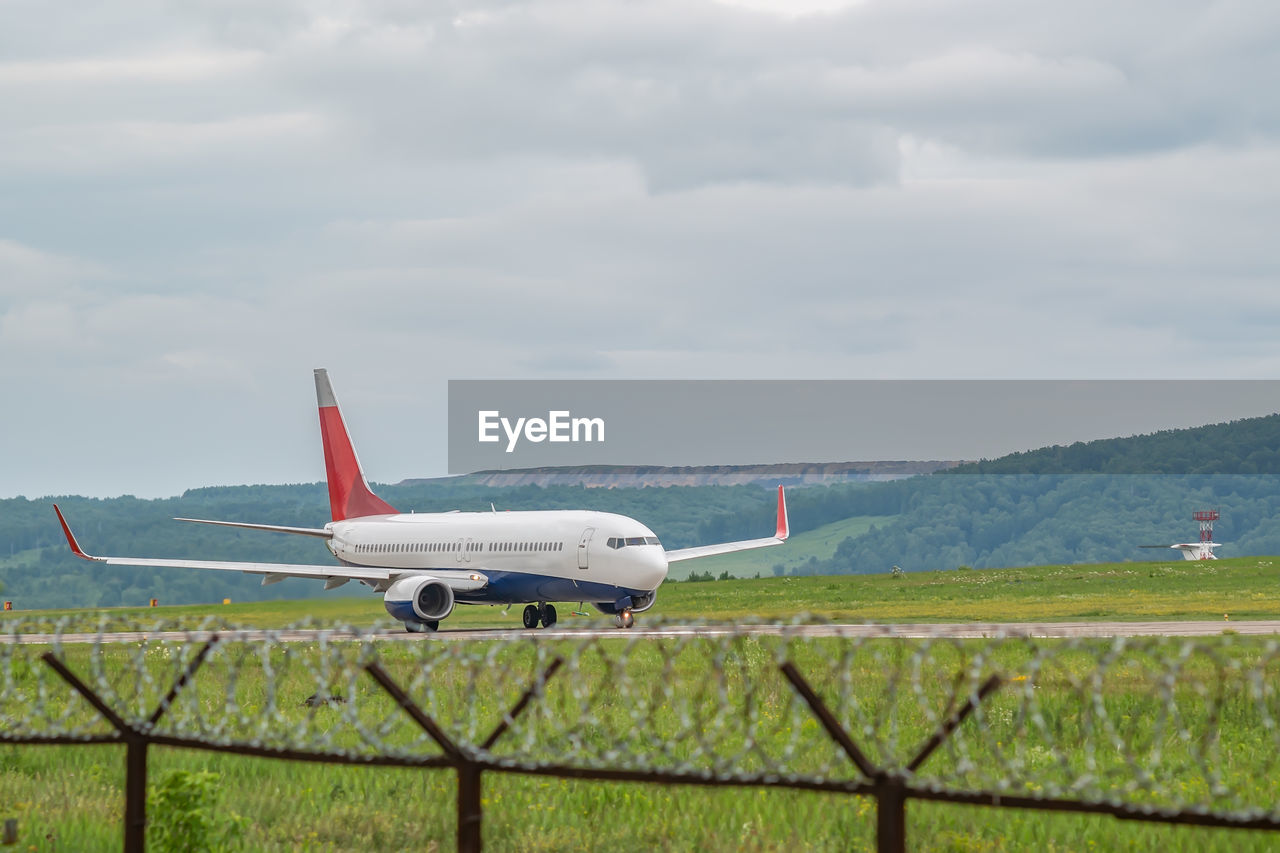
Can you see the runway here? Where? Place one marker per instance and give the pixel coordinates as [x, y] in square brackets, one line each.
[1063, 630]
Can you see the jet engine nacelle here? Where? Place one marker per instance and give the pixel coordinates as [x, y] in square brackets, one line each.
[637, 604]
[418, 599]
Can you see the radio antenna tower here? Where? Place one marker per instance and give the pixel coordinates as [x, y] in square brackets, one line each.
[1202, 550]
[1206, 517]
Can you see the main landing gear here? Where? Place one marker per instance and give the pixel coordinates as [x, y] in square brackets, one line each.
[540, 612]
[625, 619]
[429, 627]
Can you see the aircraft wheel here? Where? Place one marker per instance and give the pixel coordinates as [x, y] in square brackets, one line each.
[548, 615]
[531, 616]
[432, 625]
[625, 619]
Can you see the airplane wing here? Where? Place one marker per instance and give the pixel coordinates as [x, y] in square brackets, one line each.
[460, 581]
[723, 548]
[780, 536]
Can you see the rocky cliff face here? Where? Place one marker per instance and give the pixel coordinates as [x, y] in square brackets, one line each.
[633, 476]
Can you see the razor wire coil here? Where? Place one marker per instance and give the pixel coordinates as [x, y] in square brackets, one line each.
[1154, 724]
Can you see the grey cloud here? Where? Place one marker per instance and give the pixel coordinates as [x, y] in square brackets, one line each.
[200, 203]
[695, 93]
[725, 96]
[27, 272]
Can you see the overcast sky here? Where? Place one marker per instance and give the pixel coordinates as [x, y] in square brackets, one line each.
[200, 202]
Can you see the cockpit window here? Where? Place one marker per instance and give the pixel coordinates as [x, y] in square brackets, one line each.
[622, 542]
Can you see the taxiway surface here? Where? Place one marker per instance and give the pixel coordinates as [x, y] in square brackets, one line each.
[908, 631]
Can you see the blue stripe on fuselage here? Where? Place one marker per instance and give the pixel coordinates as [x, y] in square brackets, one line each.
[526, 587]
[522, 587]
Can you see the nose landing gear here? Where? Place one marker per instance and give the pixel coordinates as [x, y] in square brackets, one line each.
[540, 612]
[624, 619]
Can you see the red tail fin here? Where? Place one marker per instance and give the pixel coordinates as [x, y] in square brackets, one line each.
[349, 493]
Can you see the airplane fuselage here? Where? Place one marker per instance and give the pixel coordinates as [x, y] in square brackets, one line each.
[554, 555]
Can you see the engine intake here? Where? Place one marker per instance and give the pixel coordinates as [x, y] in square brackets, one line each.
[418, 599]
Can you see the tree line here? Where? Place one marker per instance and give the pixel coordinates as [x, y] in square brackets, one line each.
[1090, 501]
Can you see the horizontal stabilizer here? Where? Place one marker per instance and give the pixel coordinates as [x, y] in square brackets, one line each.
[276, 528]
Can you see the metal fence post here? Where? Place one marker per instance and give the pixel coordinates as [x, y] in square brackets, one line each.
[135, 796]
[135, 739]
[891, 815]
[470, 814]
[890, 790]
[470, 805]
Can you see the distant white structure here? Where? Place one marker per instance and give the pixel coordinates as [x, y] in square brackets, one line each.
[1202, 550]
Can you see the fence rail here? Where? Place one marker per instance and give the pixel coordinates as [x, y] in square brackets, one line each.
[1148, 729]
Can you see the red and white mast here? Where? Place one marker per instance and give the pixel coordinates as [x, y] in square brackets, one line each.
[1206, 517]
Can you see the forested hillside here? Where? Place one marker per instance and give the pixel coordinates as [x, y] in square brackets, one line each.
[1248, 446]
[997, 520]
[1086, 502]
[1046, 506]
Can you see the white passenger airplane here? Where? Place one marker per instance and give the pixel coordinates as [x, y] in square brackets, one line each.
[424, 563]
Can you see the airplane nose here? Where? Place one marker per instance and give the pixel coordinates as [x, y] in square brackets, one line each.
[652, 568]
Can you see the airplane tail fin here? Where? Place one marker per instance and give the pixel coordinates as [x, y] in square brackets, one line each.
[349, 492]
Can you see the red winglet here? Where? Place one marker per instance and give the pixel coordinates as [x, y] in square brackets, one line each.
[71, 537]
[783, 525]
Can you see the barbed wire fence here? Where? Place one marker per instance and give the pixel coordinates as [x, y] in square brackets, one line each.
[1149, 729]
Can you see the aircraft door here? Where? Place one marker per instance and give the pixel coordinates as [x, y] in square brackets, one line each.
[466, 550]
[582, 547]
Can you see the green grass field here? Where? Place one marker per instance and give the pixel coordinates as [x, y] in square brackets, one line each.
[1239, 588]
[71, 798]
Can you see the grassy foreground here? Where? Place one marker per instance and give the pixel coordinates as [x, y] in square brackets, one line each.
[1241, 588]
[71, 798]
